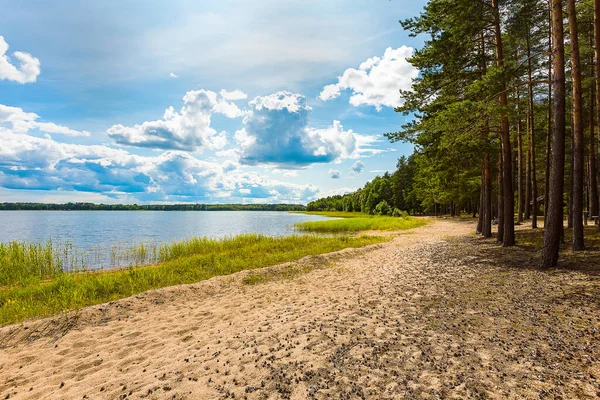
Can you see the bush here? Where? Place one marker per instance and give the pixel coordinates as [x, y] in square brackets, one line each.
[383, 208]
[399, 213]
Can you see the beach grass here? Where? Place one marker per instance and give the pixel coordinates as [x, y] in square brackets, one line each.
[40, 287]
[336, 214]
[356, 222]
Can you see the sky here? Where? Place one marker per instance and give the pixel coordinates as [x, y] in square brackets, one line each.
[226, 101]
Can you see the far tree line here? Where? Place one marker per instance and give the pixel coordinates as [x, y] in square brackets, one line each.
[149, 207]
[504, 118]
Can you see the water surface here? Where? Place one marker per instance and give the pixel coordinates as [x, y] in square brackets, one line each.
[97, 231]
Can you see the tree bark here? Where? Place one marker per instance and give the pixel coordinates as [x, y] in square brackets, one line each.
[550, 116]
[487, 196]
[578, 138]
[520, 194]
[533, 177]
[528, 180]
[500, 237]
[593, 172]
[597, 65]
[570, 188]
[508, 236]
[479, 228]
[554, 222]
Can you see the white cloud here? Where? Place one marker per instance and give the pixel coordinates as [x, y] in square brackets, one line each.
[276, 132]
[377, 81]
[189, 129]
[172, 75]
[26, 72]
[335, 174]
[232, 96]
[358, 167]
[23, 122]
[34, 163]
[337, 192]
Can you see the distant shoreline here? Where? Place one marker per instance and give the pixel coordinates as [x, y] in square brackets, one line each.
[148, 207]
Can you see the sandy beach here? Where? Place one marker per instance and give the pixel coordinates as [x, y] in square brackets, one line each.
[431, 314]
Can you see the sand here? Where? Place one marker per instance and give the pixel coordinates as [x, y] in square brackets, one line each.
[427, 315]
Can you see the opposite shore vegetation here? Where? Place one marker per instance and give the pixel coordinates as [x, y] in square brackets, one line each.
[44, 279]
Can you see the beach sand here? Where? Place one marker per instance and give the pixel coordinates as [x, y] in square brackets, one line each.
[428, 315]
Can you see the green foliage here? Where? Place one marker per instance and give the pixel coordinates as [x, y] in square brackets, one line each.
[190, 261]
[336, 214]
[397, 213]
[383, 208]
[395, 189]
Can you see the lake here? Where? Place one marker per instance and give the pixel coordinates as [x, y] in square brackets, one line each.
[93, 232]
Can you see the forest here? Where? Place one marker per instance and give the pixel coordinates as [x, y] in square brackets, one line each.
[149, 207]
[503, 117]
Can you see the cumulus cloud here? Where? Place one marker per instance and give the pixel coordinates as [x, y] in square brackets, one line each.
[172, 75]
[276, 132]
[235, 95]
[34, 163]
[26, 72]
[377, 81]
[23, 122]
[188, 130]
[335, 174]
[358, 167]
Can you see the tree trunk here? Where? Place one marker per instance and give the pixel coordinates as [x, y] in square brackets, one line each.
[570, 191]
[534, 191]
[487, 196]
[554, 222]
[550, 117]
[593, 172]
[520, 194]
[500, 237]
[578, 138]
[597, 65]
[528, 180]
[508, 237]
[479, 228]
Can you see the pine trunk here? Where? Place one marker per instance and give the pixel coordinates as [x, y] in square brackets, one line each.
[520, 194]
[550, 117]
[500, 237]
[578, 138]
[593, 172]
[479, 228]
[528, 181]
[534, 192]
[487, 196]
[554, 222]
[508, 236]
[597, 65]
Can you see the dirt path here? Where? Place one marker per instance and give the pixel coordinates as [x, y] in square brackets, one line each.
[427, 315]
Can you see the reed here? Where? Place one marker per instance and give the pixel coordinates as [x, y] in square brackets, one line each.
[29, 263]
[35, 284]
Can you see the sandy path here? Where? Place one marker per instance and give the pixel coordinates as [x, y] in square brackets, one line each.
[417, 317]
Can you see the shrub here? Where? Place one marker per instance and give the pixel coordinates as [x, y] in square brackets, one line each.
[383, 208]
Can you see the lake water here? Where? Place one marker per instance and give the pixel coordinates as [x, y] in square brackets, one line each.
[97, 231]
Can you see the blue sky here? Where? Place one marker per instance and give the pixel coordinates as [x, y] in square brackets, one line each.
[197, 101]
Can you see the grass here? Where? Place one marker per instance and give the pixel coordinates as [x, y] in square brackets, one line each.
[39, 287]
[356, 222]
[336, 214]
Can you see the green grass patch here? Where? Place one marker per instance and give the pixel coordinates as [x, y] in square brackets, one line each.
[361, 223]
[336, 214]
[31, 293]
